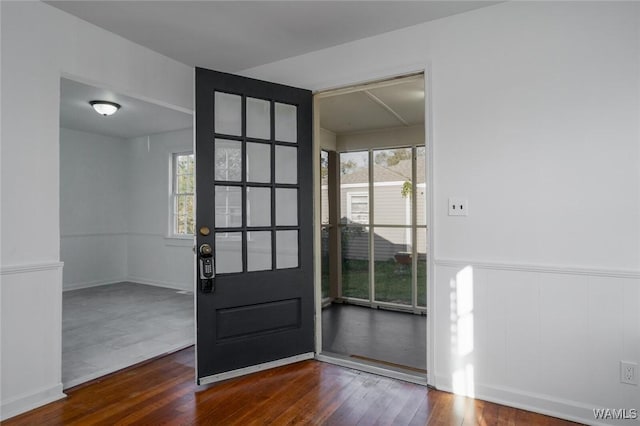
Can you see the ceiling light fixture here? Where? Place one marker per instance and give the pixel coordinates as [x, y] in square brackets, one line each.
[105, 108]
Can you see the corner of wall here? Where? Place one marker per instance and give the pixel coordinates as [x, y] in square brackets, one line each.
[26, 402]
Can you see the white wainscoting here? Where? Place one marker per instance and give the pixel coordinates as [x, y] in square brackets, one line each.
[92, 260]
[543, 338]
[31, 320]
[157, 260]
[99, 259]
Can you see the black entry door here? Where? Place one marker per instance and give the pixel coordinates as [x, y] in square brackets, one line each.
[254, 224]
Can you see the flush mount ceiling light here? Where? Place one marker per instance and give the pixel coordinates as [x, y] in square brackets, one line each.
[105, 108]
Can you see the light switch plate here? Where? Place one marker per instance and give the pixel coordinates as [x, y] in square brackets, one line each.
[458, 206]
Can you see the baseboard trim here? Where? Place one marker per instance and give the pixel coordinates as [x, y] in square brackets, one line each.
[157, 283]
[26, 402]
[254, 368]
[30, 267]
[132, 279]
[98, 283]
[550, 269]
[538, 403]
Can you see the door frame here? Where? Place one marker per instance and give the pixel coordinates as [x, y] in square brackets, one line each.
[346, 83]
[126, 92]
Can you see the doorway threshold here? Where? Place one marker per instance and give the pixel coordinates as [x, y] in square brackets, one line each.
[367, 365]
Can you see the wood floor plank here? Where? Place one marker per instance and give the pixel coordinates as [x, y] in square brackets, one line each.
[382, 403]
[394, 405]
[365, 406]
[349, 404]
[163, 392]
[444, 413]
[320, 406]
[411, 403]
[276, 399]
[304, 398]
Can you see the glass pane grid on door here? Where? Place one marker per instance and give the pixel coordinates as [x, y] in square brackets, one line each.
[259, 303]
[256, 180]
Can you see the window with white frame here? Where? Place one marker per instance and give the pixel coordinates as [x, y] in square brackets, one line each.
[358, 207]
[182, 194]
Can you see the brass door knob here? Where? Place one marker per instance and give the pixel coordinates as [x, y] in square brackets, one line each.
[205, 249]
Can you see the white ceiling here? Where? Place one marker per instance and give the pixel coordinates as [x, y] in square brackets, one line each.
[374, 108]
[135, 118]
[235, 35]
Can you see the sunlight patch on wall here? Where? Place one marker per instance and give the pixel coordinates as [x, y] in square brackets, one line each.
[462, 332]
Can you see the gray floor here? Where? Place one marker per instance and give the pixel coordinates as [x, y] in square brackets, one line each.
[375, 334]
[107, 328]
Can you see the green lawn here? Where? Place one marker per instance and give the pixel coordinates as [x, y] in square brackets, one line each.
[393, 281]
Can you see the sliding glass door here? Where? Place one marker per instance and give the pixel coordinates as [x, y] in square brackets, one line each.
[382, 226]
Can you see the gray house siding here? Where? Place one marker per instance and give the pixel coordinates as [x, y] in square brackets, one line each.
[390, 207]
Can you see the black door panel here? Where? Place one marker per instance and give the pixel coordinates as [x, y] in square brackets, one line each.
[254, 192]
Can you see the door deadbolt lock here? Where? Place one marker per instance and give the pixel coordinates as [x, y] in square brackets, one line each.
[205, 250]
[206, 268]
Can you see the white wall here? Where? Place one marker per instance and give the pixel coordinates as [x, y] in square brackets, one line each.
[39, 44]
[94, 202]
[535, 118]
[152, 257]
[327, 140]
[114, 207]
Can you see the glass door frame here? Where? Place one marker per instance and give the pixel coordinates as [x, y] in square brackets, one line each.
[346, 85]
[372, 302]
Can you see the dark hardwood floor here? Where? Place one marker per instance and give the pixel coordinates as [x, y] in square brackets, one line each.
[362, 333]
[162, 391]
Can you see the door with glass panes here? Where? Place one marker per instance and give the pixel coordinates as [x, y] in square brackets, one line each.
[253, 223]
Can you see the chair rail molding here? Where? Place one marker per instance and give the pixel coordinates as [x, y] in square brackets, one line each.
[540, 268]
[30, 267]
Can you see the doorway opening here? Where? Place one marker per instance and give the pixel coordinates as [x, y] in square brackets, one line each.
[126, 232]
[373, 225]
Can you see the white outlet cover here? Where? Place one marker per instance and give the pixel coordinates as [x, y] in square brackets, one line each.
[458, 206]
[629, 372]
